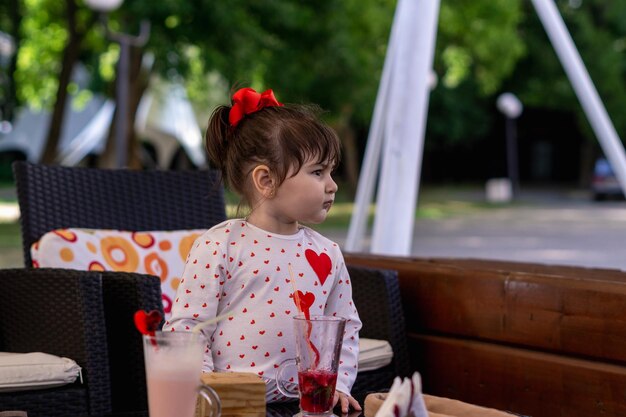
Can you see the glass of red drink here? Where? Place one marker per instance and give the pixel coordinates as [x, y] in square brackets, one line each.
[318, 346]
[317, 389]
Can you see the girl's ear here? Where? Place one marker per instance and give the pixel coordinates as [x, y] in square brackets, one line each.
[263, 181]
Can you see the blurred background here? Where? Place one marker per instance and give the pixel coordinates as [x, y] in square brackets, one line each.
[77, 76]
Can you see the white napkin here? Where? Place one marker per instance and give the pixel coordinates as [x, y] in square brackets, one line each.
[374, 354]
[404, 398]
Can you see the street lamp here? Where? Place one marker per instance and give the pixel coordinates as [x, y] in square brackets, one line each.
[122, 85]
[511, 107]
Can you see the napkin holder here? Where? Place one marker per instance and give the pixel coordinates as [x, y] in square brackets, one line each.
[372, 403]
[436, 406]
[242, 394]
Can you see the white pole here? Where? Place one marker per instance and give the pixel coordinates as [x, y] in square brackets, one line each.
[405, 126]
[369, 167]
[583, 86]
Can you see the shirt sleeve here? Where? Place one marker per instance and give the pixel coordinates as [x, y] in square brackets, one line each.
[198, 295]
[340, 303]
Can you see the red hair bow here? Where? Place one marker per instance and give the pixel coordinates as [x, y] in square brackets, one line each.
[248, 101]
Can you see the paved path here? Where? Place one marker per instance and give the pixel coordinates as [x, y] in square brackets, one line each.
[545, 228]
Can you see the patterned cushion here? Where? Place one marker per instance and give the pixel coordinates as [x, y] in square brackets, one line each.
[160, 253]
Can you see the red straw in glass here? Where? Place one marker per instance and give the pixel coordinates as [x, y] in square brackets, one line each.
[307, 316]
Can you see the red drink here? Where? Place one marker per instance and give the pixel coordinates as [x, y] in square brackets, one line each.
[317, 390]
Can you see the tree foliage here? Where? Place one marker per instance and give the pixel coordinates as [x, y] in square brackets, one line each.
[598, 29]
[332, 53]
[478, 46]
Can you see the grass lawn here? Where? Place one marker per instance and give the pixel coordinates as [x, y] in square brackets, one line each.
[10, 235]
[10, 246]
[433, 203]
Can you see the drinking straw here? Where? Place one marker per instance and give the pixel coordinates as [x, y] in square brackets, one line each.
[196, 329]
[307, 316]
[296, 294]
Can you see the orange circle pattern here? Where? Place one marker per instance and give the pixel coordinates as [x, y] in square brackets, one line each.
[155, 253]
[66, 254]
[119, 254]
[145, 240]
[156, 266]
[185, 245]
[66, 234]
[96, 266]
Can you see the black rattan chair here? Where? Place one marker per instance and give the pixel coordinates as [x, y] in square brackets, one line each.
[53, 197]
[376, 294]
[69, 313]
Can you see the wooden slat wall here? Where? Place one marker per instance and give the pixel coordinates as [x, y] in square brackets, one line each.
[533, 339]
[520, 380]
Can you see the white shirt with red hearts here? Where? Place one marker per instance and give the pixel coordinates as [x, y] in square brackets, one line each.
[235, 268]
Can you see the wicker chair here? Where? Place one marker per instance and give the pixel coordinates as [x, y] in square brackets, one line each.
[376, 294]
[53, 197]
[63, 312]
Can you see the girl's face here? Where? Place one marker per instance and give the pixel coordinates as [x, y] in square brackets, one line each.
[304, 197]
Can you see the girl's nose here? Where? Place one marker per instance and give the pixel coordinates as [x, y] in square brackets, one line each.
[331, 187]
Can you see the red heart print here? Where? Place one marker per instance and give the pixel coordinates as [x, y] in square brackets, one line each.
[147, 322]
[321, 264]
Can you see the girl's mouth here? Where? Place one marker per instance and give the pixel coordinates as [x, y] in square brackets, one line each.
[328, 204]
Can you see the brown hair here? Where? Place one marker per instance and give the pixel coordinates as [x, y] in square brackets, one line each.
[279, 137]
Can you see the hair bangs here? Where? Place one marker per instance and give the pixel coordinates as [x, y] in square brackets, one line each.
[304, 141]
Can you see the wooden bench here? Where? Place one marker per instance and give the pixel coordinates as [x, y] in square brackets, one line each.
[533, 339]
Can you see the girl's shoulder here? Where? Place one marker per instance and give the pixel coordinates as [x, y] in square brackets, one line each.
[319, 239]
[221, 229]
[223, 225]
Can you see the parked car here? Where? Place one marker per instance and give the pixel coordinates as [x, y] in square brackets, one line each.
[604, 183]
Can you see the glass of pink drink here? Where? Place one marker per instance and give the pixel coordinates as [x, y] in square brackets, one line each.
[173, 367]
[318, 346]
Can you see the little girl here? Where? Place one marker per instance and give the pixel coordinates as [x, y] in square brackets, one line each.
[279, 159]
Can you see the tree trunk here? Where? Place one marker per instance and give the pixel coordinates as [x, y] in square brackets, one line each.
[70, 56]
[351, 152]
[139, 83]
[139, 78]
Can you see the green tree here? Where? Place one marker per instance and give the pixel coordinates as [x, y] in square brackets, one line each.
[598, 29]
[478, 47]
[329, 52]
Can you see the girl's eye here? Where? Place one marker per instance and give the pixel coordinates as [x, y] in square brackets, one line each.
[317, 172]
